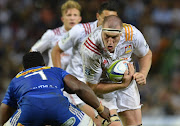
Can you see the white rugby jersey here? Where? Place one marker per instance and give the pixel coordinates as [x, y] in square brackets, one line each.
[48, 41]
[73, 39]
[96, 58]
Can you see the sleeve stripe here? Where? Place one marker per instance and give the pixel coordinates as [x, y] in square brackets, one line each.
[87, 28]
[131, 32]
[91, 49]
[91, 46]
[57, 31]
[128, 32]
[84, 28]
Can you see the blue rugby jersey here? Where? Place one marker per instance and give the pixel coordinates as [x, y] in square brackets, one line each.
[37, 82]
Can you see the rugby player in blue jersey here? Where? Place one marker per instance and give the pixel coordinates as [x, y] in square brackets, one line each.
[34, 97]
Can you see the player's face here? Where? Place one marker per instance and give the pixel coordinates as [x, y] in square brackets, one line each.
[70, 18]
[104, 14]
[110, 40]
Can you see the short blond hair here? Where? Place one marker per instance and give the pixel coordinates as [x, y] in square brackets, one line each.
[70, 4]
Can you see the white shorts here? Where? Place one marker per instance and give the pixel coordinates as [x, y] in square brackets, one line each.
[109, 100]
[129, 98]
[124, 99]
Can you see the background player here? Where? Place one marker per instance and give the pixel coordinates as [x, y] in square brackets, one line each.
[73, 39]
[114, 41]
[70, 11]
[36, 93]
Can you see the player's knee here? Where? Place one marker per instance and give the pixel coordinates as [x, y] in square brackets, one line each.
[113, 118]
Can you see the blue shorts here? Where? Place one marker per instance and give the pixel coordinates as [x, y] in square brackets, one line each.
[54, 111]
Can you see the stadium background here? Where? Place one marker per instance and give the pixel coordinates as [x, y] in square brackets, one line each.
[22, 23]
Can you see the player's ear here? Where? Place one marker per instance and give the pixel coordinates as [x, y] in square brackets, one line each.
[62, 19]
[97, 16]
[80, 19]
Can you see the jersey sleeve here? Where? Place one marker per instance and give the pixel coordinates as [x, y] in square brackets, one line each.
[141, 46]
[70, 38]
[9, 98]
[60, 72]
[45, 42]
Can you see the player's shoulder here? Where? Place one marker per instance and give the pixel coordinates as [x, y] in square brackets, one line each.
[86, 28]
[91, 45]
[58, 31]
[130, 31]
[52, 32]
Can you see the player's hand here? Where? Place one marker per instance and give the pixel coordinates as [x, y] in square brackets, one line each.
[105, 114]
[128, 75]
[140, 78]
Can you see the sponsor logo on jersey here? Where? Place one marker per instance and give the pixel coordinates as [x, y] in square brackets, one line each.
[69, 122]
[105, 61]
[65, 38]
[128, 49]
[87, 71]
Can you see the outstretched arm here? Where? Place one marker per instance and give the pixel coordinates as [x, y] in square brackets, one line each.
[5, 113]
[86, 94]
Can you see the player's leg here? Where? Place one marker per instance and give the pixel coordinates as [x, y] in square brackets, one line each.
[109, 100]
[129, 107]
[131, 117]
[90, 112]
[115, 120]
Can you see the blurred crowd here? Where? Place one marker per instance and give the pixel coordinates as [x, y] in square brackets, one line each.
[22, 23]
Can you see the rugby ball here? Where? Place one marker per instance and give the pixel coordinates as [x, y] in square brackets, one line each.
[116, 70]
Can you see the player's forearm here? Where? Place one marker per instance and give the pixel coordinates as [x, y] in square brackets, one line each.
[145, 63]
[88, 96]
[103, 88]
[55, 54]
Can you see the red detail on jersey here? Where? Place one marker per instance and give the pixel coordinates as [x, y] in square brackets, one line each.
[90, 44]
[57, 31]
[91, 47]
[87, 28]
[105, 61]
[84, 28]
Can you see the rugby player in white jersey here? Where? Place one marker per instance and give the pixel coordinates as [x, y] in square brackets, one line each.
[74, 38]
[112, 41]
[70, 11]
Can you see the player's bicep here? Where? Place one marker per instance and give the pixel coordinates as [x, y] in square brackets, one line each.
[71, 84]
[141, 46]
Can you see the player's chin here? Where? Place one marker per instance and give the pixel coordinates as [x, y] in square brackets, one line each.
[111, 50]
[72, 24]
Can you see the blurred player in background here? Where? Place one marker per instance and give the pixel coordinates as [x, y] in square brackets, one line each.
[114, 41]
[36, 93]
[70, 11]
[73, 39]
